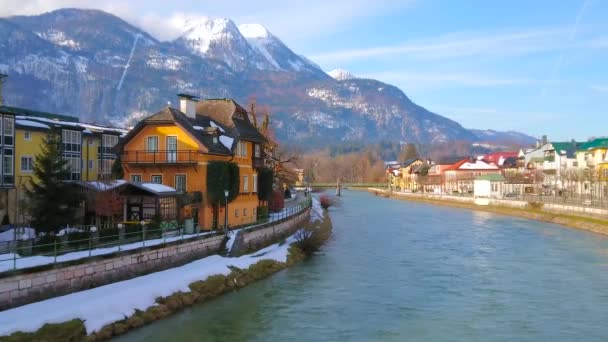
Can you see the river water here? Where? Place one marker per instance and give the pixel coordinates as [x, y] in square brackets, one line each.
[400, 271]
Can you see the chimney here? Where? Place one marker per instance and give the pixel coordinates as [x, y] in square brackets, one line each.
[187, 104]
[544, 139]
[2, 79]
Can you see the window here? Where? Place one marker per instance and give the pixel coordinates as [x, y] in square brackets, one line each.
[180, 183]
[108, 142]
[171, 149]
[106, 164]
[245, 183]
[255, 183]
[236, 213]
[7, 161]
[158, 179]
[91, 164]
[245, 212]
[136, 178]
[27, 136]
[9, 130]
[74, 164]
[152, 144]
[257, 151]
[27, 164]
[241, 149]
[72, 140]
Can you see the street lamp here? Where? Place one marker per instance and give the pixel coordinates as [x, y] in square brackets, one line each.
[226, 193]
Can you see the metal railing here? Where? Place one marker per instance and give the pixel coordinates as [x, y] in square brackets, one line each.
[51, 249]
[160, 157]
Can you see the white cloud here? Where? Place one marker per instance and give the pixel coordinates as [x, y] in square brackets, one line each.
[291, 21]
[443, 79]
[459, 45]
[600, 88]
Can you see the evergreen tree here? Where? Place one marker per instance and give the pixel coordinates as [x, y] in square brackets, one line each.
[221, 176]
[265, 180]
[117, 171]
[52, 201]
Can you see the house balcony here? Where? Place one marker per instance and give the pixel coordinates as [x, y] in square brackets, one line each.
[160, 157]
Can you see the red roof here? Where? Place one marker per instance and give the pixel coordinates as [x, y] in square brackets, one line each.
[495, 157]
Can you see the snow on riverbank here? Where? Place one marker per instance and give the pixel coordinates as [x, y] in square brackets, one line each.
[106, 304]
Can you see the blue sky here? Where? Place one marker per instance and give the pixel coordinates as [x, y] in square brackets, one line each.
[540, 67]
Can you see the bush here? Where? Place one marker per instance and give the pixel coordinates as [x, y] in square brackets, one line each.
[277, 202]
[44, 245]
[262, 213]
[108, 235]
[326, 202]
[535, 205]
[79, 240]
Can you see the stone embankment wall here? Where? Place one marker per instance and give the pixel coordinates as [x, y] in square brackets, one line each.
[31, 285]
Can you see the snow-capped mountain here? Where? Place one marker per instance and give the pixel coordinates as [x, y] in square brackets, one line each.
[340, 74]
[273, 49]
[94, 65]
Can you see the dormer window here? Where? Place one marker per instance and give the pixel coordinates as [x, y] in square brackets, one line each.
[241, 150]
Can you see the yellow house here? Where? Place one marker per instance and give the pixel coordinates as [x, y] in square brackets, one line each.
[86, 147]
[407, 181]
[592, 153]
[174, 148]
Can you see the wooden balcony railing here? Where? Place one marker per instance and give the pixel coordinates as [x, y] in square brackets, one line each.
[160, 157]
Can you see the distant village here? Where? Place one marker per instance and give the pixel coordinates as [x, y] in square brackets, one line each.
[565, 172]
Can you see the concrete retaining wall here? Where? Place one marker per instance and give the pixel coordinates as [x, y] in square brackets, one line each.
[27, 286]
[549, 207]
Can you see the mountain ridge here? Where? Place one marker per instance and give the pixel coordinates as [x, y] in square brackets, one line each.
[100, 67]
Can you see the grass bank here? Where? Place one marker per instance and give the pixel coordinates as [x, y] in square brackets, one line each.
[533, 212]
[200, 291]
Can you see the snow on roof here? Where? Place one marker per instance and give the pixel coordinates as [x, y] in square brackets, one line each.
[477, 165]
[198, 128]
[30, 123]
[102, 186]
[40, 123]
[157, 187]
[227, 141]
[213, 124]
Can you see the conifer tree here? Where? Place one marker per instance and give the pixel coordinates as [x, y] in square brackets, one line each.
[117, 172]
[52, 201]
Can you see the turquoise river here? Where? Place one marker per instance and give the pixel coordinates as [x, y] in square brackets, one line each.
[404, 271]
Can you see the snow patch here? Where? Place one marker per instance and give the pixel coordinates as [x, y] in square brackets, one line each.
[254, 31]
[340, 74]
[157, 187]
[227, 141]
[109, 303]
[30, 123]
[213, 124]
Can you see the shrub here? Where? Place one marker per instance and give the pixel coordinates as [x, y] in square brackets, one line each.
[44, 245]
[262, 213]
[108, 235]
[277, 202]
[535, 205]
[79, 239]
[326, 202]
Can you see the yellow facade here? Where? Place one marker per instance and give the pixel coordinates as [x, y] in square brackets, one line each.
[142, 166]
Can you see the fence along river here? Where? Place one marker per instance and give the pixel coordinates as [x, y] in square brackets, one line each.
[396, 271]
